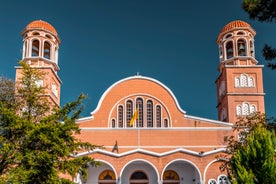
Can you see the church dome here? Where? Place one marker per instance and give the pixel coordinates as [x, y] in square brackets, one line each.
[40, 24]
[235, 24]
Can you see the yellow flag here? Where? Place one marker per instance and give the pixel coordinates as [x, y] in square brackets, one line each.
[134, 117]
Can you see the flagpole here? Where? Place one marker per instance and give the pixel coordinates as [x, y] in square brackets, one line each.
[138, 128]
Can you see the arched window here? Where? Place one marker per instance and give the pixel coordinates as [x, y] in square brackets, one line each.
[149, 113]
[170, 175]
[35, 48]
[240, 33]
[250, 82]
[245, 109]
[47, 50]
[252, 108]
[120, 116]
[229, 50]
[166, 123]
[107, 175]
[222, 179]
[241, 47]
[139, 105]
[237, 82]
[139, 175]
[129, 112]
[113, 123]
[158, 116]
[244, 81]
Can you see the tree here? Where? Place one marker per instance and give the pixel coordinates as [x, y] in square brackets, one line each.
[263, 11]
[251, 159]
[37, 140]
[7, 92]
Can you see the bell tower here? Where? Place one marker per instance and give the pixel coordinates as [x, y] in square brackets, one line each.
[40, 50]
[240, 82]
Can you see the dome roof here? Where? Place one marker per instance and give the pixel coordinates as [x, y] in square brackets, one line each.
[235, 24]
[40, 24]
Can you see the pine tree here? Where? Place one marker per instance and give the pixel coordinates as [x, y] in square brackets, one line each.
[263, 11]
[37, 140]
[251, 159]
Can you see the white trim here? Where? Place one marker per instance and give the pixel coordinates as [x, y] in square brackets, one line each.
[247, 94]
[139, 150]
[131, 78]
[84, 119]
[209, 121]
[229, 127]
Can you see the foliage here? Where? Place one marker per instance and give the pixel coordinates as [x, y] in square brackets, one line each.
[251, 158]
[263, 11]
[7, 92]
[36, 139]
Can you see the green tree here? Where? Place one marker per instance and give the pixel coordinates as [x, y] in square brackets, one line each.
[37, 141]
[263, 11]
[251, 159]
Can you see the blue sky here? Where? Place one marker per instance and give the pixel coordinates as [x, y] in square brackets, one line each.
[105, 41]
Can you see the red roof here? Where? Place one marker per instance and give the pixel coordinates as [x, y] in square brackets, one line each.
[42, 25]
[235, 24]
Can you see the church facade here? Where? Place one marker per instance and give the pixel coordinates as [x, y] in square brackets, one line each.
[147, 137]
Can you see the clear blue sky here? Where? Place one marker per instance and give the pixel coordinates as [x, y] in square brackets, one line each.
[173, 41]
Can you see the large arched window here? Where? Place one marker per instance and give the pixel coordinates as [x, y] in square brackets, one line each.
[229, 50]
[158, 116]
[149, 113]
[120, 116]
[47, 50]
[129, 112]
[139, 105]
[35, 48]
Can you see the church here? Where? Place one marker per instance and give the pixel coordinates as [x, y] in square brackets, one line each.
[147, 137]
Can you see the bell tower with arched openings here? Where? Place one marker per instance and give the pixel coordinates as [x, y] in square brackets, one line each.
[240, 82]
[40, 50]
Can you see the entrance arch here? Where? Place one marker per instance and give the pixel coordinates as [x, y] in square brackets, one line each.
[103, 174]
[186, 172]
[139, 172]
